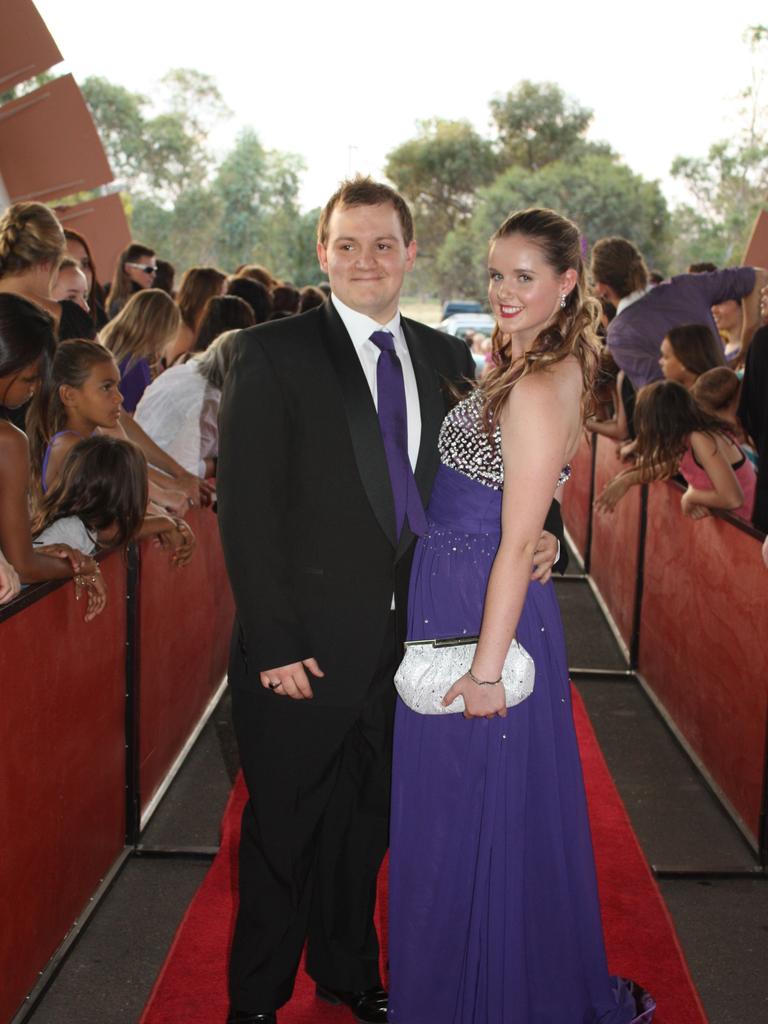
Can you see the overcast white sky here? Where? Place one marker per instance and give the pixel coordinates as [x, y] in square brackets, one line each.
[341, 82]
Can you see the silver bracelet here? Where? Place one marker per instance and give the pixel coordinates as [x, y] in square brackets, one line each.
[482, 682]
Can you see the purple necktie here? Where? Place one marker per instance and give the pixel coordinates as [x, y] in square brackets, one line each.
[393, 420]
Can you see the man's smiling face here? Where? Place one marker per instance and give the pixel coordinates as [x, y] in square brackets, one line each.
[366, 258]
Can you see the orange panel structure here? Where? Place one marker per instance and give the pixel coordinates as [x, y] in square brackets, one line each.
[615, 553]
[81, 723]
[62, 769]
[26, 46]
[181, 662]
[703, 651]
[756, 254]
[103, 222]
[49, 146]
[577, 497]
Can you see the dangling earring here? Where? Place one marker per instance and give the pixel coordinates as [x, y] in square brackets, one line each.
[562, 302]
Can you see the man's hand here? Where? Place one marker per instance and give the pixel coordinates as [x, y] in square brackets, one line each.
[199, 493]
[291, 680]
[544, 557]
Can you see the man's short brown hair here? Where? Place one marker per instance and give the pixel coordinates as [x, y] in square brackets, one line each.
[364, 191]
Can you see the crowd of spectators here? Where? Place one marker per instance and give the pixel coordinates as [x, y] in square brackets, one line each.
[687, 361]
[109, 395]
[109, 392]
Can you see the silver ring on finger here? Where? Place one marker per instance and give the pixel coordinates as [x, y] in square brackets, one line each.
[274, 686]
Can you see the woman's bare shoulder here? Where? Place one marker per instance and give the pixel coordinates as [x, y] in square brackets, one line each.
[13, 442]
[559, 381]
[705, 443]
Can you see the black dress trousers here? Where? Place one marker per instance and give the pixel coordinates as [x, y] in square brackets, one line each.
[314, 835]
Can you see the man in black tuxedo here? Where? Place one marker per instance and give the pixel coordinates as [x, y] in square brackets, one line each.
[320, 575]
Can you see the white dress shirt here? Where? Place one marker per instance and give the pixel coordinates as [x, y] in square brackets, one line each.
[632, 298]
[360, 328]
[179, 411]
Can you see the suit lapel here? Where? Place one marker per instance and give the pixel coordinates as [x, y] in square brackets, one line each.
[363, 421]
[432, 405]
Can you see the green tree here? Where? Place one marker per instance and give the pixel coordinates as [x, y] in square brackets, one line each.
[195, 98]
[238, 185]
[538, 124]
[158, 156]
[730, 185]
[184, 233]
[119, 118]
[602, 195]
[306, 269]
[25, 87]
[258, 195]
[189, 210]
[439, 172]
[460, 268]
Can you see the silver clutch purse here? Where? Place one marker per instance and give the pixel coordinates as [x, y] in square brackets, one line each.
[431, 667]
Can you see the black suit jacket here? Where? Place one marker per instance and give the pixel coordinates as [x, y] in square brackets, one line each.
[305, 503]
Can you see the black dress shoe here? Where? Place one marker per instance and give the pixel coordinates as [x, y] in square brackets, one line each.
[369, 1007]
[244, 1017]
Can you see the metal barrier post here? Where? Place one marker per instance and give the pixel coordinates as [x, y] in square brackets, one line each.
[132, 787]
[634, 646]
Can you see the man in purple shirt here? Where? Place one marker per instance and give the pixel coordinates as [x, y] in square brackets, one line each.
[644, 314]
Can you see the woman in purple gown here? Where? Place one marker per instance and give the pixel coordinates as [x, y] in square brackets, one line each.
[494, 915]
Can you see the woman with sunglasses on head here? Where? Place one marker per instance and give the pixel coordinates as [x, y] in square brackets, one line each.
[135, 270]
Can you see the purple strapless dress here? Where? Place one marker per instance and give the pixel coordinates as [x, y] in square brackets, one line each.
[493, 905]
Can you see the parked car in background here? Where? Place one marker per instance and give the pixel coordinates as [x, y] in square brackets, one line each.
[461, 324]
[476, 330]
[460, 306]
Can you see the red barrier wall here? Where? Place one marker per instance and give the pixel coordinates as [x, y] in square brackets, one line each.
[613, 562]
[703, 642]
[62, 770]
[577, 494]
[182, 663]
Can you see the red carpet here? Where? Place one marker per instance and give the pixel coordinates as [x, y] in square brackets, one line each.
[640, 937]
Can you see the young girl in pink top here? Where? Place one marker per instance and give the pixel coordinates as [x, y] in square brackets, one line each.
[675, 434]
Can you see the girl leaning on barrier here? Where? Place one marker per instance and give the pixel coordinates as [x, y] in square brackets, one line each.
[26, 347]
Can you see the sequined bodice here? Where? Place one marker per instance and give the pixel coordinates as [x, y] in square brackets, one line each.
[466, 447]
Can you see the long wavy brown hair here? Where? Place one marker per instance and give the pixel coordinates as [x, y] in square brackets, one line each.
[666, 414]
[104, 482]
[72, 364]
[573, 329]
[142, 328]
